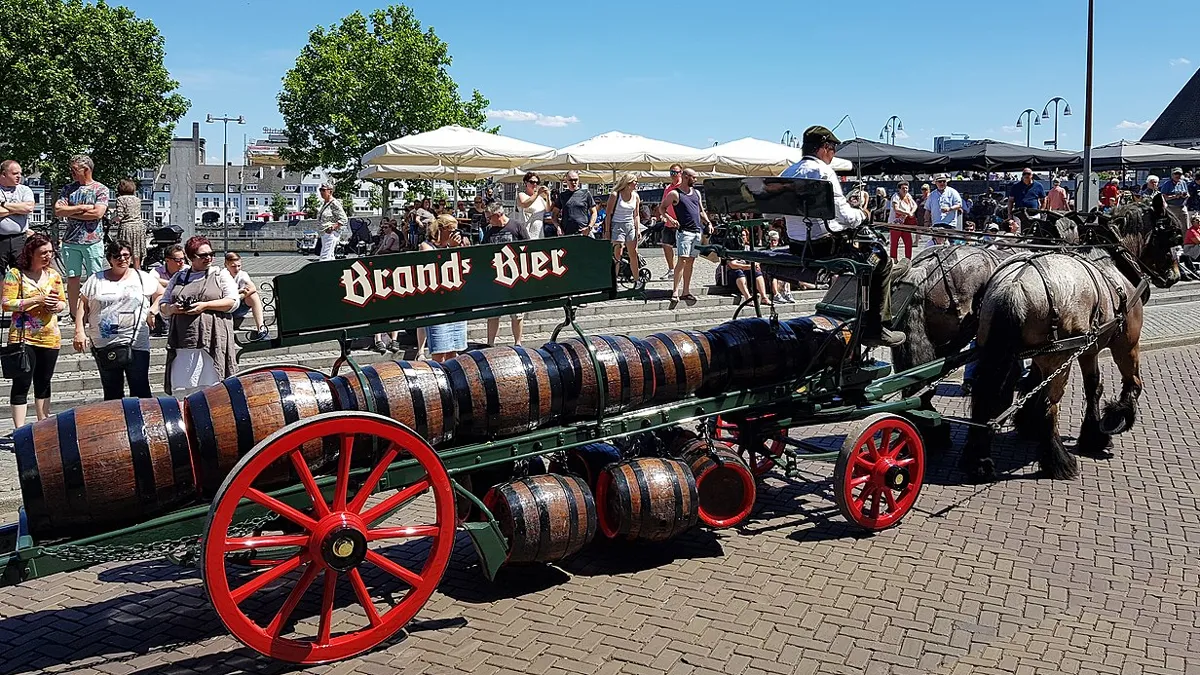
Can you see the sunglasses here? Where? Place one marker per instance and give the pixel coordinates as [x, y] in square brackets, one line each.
[123, 256]
[176, 260]
[533, 182]
[208, 256]
[674, 172]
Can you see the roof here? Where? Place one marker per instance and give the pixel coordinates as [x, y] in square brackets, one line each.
[1181, 119]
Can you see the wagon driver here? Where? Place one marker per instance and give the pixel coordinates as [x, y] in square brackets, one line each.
[823, 239]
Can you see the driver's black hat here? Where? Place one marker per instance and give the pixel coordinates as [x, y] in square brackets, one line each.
[818, 134]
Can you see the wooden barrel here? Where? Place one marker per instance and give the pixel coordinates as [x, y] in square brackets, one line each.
[681, 361]
[545, 518]
[820, 341]
[415, 393]
[647, 499]
[229, 418]
[676, 440]
[588, 461]
[627, 371]
[104, 465]
[755, 352]
[724, 484]
[502, 391]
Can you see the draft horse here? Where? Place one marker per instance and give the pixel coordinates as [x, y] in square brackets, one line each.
[1037, 303]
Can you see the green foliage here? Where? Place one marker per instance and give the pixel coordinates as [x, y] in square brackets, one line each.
[366, 81]
[279, 206]
[312, 204]
[82, 77]
[348, 205]
[375, 200]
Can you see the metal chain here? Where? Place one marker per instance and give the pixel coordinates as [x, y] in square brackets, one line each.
[181, 550]
[1066, 365]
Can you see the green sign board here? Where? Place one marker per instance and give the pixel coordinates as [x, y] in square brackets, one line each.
[342, 293]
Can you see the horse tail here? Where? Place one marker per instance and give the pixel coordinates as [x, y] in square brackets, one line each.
[917, 348]
[996, 356]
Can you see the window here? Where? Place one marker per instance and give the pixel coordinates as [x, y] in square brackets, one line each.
[234, 202]
[365, 194]
[37, 198]
[310, 188]
[251, 187]
[162, 201]
[205, 176]
[251, 201]
[166, 187]
[206, 202]
[291, 188]
[291, 202]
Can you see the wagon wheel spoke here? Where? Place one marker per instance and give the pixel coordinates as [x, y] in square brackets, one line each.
[872, 449]
[293, 599]
[863, 463]
[406, 575]
[368, 487]
[244, 543]
[382, 509]
[267, 577]
[885, 440]
[898, 448]
[364, 597]
[875, 503]
[327, 594]
[860, 501]
[402, 532]
[860, 480]
[343, 473]
[891, 501]
[264, 499]
[310, 484]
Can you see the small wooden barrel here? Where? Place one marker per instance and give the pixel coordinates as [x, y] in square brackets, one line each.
[647, 499]
[588, 461]
[502, 391]
[756, 352]
[103, 466]
[681, 360]
[228, 419]
[415, 393]
[676, 440]
[627, 370]
[546, 518]
[725, 485]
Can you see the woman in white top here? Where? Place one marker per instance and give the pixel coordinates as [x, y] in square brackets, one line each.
[904, 212]
[532, 202]
[623, 222]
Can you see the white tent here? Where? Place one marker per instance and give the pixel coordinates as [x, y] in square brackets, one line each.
[388, 172]
[616, 151]
[754, 157]
[459, 149]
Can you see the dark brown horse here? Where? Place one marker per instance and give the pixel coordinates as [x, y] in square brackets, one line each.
[1034, 300]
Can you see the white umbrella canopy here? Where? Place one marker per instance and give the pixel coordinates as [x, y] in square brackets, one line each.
[455, 146]
[383, 172]
[616, 151]
[754, 157]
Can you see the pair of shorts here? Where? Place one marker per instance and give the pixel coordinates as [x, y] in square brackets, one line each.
[447, 337]
[686, 243]
[242, 310]
[623, 232]
[734, 275]
[83, 260]
[668, 236]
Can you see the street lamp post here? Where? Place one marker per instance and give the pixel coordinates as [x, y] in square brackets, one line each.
[240, 119]
[1066, 113]
[1028, 114]
[789, 139]
[890, 127]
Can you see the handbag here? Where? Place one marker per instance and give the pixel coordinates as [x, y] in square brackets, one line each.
[118, 356]
[15, 359]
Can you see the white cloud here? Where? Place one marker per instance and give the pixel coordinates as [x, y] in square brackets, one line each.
[901, 134]
[535, 117]
[1180, 62]
[1010, 129]
[1126, 124]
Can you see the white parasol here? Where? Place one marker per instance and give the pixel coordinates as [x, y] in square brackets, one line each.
[616, 151]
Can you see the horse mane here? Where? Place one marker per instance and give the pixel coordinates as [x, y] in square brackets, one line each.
[1132, 219]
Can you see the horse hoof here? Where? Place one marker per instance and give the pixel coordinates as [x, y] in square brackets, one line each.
[1113, 424]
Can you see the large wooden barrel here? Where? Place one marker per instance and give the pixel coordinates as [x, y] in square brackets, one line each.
[103, 466]
[821, 341]
[647, 499]
[414, 393]
[546, 518]
[503, 391]
[724, 484]
[627, 372]
[755, 352]
[229, 418]
[681, 360]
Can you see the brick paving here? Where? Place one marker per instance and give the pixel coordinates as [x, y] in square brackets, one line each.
[1026, 575]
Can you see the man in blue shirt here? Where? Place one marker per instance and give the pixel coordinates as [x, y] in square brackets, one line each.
[1026, 193]
[1175, 191]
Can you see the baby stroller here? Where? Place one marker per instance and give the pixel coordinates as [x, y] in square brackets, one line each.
[161, 239]
[625, 271]
[361, 241]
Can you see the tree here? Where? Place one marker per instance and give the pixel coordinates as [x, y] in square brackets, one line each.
[81, 77]
[366, 81]
[311, 205]
[278, 206]
[374, 198]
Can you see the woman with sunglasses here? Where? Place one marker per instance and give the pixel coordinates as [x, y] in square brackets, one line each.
[623, 223]
[532, 203]
[33, 294]
[121, 302]
[198, 302]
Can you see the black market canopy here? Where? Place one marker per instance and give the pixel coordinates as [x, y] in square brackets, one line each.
[874, 158]
[1132, 154]
[988, 155]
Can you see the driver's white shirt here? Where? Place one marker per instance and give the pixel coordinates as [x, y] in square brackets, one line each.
[847, 216]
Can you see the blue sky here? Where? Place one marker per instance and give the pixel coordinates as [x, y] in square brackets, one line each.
[704, 72]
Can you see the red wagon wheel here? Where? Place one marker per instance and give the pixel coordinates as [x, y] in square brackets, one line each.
[879, 471]
[760, 456]
[329, 542]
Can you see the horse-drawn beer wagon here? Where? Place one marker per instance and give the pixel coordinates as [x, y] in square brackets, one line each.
[284, 480]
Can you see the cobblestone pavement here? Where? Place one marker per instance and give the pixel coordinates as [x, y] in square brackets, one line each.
[1026, 575]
